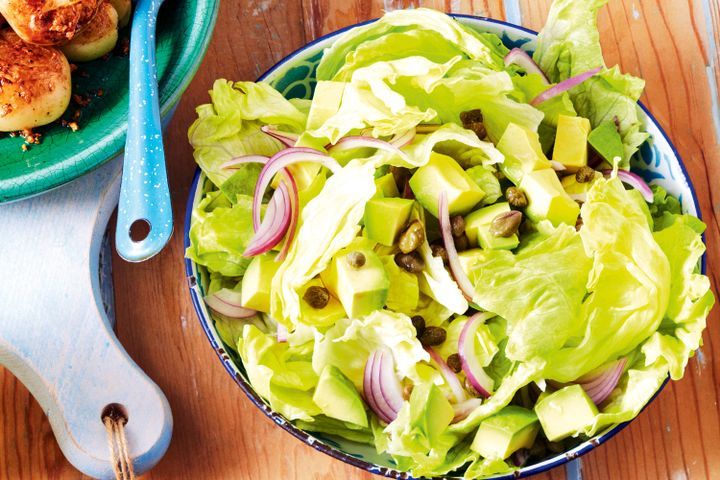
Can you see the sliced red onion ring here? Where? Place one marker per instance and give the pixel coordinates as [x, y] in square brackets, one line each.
[402, 139]
[348, 143]
[634, 181]
[234, 163]
[280, 161]
[274, 225]
[388, 383]
[288, 139]
[474, 372]
[600, 385]
[282, 333]
[455, 267]
[372, 391]
[227, 302]
[450, 377]
[564, 86]
[557, 166]
[463, 409]
[520, 57]
[294, 207]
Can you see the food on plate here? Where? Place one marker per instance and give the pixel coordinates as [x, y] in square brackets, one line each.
[97, 39]
[45, 22]
[35, 84]
[124, 11]
[444, 252]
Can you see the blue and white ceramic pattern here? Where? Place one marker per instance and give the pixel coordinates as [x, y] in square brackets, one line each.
[658, 162]
[144, 194]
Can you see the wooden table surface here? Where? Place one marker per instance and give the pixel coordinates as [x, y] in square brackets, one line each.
[219, 434]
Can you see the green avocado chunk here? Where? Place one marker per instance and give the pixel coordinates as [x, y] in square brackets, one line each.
[385, 218]
[442, 173]
[607, 142]
[568, 411]
[477, 228]
[547, 198]
[386, 187]
[523, 153]
[509, 430]
[337, 397]
[360, 289]
[571, 142]
[404, 290]
[255, 290]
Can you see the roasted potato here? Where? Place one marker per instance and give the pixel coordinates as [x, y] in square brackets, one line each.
[97, 39]
[48, 22]
[124, 11]
[35, 84]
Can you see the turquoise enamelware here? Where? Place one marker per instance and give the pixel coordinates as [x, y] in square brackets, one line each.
[294, 76]
[144, 192]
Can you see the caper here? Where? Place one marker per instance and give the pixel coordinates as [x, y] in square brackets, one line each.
[516, 197]
[412, 237]
[454, 363]
[584, 174]
[473, 120]
[457, 225]
[579, 224]
[432, 336]
[410, 262]
[355, 259]
[461, 243]
[317, 297]
[439, 251]
[506, 224]
[419, 323]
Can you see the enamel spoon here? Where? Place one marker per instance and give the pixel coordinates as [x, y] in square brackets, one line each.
[144, 222]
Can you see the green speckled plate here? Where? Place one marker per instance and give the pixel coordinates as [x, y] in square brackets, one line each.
[184, 30]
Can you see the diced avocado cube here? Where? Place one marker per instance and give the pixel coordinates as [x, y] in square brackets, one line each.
[362, 289]
[509, 430]
[404, 292]
[573, 187]
[385, 218]
[386, 187]
[442, 173]
[571, 142]
[337, 397]
[255, 290]
[325, 103]
[477, 228]
[568, 411]
[430, 411]
[607, 142]
[523, 152]
[319, 317]
[547, 199]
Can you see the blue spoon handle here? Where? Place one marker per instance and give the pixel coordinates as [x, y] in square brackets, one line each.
[144, 195]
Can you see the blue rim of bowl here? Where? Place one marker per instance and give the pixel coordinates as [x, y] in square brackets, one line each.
[307, 438]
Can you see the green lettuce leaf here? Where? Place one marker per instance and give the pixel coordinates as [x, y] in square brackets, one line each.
[452, 140]
[329, 222]
[275, 373]
[230, 126]
[537, 290]
[332, 426]
[569, 45]
[483, 48]
[220, 232]
[629, 284]
[485, 178]
[348, 344]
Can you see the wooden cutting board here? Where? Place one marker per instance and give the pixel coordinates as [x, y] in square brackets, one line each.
[55, 334]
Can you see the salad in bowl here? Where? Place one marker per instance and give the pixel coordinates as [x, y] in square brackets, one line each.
[444, 253]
